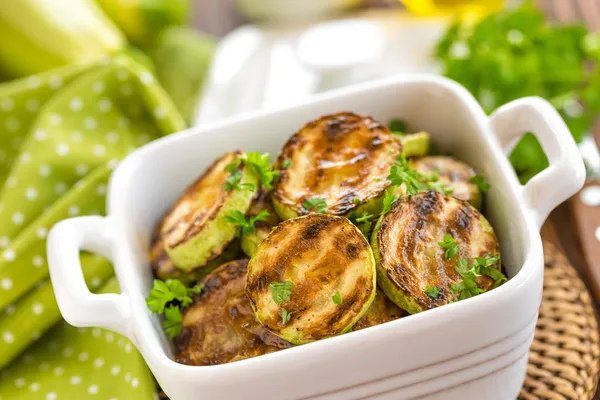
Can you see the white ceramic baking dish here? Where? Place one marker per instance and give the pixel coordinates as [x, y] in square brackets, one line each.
[473, 349]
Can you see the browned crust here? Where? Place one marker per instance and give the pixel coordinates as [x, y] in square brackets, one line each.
[327, 244]
[346, 135]
[382, 310]
[416, 224]
[196, 226]
[219, 327]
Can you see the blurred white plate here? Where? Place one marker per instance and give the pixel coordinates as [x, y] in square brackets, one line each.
[271, 67]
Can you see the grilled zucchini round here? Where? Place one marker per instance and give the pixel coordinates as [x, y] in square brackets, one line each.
[406, 243]
[454, 175]
[219, 327]
[327, 268]
[195, 230]
[415, 144]
[382, 310]
[338, 161]
[250, 241]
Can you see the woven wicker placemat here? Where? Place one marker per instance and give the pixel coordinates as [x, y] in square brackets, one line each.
[564, 361]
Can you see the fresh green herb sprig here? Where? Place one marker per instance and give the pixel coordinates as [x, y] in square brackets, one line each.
[337, 298]
[262, 167]
[364, 221]
[246, 226]
[481, 183]
[517, 53]
[234, 180]
[317, 203]
[402, 173]
[282, 291]
[450, 246]
[432, 292]
[388, 201]
[167, 297]
[480, 266]
[285, 316]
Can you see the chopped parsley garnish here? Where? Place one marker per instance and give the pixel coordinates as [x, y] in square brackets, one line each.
[168, 297]
[356, 200]
[432, 292]
[171, 290]
[481, 266]
[481, 183]
[286, 164]
[233, 181]
[337, 298]
[285, 316]
[397, 125]
[245, 226]
[173, 323]
[388, 201]
[281, 291]
[262, 167]
[318, 203]
[450, 245]
[402, 173]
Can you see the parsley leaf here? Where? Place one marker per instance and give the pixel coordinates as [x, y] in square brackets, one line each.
[402, 173]
[165, 292]
[286, 163]
[317, 203]
[397, 125]
[450, 245]
[234, 181]
[245, 226]
[363, 222]
[337, 298]
[480, 266]
[262, 167]
[173, 323]
[388, 201]
[481, 183]
[356, 200]
[281, 291]
[285, 316]
[432, 292]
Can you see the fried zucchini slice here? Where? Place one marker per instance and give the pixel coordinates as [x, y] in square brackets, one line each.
[316, 257]
[382, 310]
[195, 230]
[250, 241]
[219, 327]
[340, 160]
[415, 144]
[454, 174]
[406, 243]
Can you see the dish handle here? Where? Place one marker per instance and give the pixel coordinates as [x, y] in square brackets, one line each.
[565, 174]
[77, 304]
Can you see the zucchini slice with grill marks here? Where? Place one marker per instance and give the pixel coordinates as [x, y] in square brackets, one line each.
[406, 243]
[195, 230]
[250, 241]
[415, 144]
[338, 161]
[219, 327]
[454, 174]
[382, 310]
[301, 269]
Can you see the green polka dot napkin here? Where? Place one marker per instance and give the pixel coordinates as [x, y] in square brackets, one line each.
[62, 133]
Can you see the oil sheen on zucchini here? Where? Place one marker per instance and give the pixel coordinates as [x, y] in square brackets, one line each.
[219, 327]
[409, 257]
[250, 241]
[195, 230]
[343, 159]
[454, 175]
[320, 257]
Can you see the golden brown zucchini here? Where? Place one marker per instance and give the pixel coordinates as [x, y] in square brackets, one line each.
[334, 165]
[313, 277]
[195, 230]
[219, 327]
[251, 240]
[382, 310]
[418, 267]
[454, 174]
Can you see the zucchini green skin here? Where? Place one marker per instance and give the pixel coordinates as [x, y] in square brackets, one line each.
[250, 241]
[338, 158]
[454, 174]
[406, 240]
[203, 208]
[320, 255]
[415, 144]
